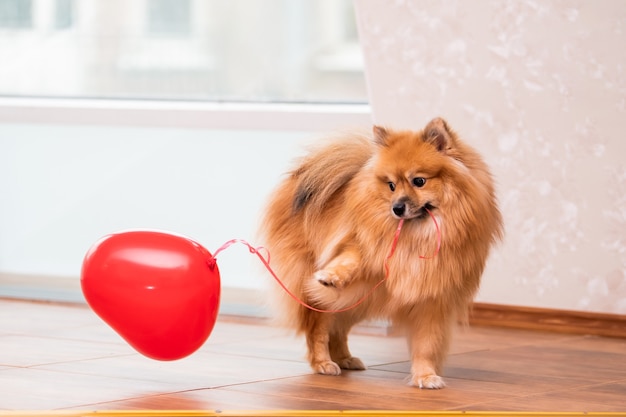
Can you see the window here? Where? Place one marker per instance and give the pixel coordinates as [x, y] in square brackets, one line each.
[16, 14]
[63, 14]
[215, 50]
[169, 17]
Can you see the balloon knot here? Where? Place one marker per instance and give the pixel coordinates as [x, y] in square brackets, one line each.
[211, 263]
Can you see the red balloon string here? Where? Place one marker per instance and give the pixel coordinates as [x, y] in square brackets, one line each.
[438, 237]
[266, 262]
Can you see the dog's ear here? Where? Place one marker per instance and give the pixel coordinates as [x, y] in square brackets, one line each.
[380, 135]
[439, 134]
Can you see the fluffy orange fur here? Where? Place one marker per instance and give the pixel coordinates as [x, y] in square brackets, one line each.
[330, 224]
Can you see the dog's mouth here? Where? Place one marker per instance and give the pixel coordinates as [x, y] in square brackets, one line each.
[423, 211]
[404, 210]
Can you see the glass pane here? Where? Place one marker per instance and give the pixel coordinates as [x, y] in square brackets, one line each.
[15, 14]
[63, 14]
[229, 50]
[169, 17]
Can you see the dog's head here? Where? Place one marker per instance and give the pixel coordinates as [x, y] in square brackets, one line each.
[410, 167]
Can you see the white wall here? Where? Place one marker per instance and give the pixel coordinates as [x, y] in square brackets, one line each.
[540, 89]
[64, 187]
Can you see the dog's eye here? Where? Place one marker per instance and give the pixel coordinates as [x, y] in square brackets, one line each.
[392, 186]
[419, 181]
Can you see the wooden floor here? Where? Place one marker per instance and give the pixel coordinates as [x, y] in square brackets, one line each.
[64, 357]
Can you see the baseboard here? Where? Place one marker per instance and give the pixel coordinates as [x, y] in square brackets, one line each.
[552, 320]
[248, 304]
[234, 301]
[236, 304]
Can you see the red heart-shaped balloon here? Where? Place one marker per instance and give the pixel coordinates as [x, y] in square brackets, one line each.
[159, 291]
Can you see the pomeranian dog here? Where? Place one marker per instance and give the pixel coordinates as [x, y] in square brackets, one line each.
[330, 225]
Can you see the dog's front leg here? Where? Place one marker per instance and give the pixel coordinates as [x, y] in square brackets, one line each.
[428, 336]
[339, 271]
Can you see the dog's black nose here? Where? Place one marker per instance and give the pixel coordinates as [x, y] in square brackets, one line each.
[399, 209]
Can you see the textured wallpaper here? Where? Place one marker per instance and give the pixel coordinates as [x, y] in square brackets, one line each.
[539, 88]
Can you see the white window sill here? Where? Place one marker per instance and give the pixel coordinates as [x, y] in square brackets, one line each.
[182, 114]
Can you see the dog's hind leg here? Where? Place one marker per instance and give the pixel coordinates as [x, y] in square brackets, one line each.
[318, 327]
[338, 344]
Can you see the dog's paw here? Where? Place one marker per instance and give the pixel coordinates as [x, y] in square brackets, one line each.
[327, 368]
[352, 363]
[428, 382]
[329, 278]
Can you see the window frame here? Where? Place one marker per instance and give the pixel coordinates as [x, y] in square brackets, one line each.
[184, 114]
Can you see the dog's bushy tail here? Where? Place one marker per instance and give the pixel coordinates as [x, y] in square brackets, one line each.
[325, 170]
[294, 211]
